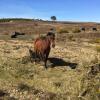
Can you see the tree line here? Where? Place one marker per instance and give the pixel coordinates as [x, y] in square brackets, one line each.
[53, 18]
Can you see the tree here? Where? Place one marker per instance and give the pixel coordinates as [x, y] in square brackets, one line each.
[53, 18]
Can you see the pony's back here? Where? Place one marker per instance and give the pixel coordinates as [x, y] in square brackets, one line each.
[41, 44]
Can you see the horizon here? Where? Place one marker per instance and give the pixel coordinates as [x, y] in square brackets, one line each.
[51, 20]
[74, 11]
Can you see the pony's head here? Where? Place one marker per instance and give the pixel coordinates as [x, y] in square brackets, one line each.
[51, 36]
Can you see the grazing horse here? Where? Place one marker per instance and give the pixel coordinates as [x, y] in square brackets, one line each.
[42, 47]
[16, 34]
[94, 29]
[83, 29]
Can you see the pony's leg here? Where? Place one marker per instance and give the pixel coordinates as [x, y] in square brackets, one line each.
[35, 57]
[38, 57]
[46, 58]
[45, 63]
[43, 58]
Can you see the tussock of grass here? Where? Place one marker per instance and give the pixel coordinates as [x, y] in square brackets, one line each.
[97, 48]
[23, 87]
[63, 31]
[76, 30]
[97, 40]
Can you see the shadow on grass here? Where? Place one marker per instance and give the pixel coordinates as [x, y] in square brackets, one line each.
[3, 93]
[56, 62]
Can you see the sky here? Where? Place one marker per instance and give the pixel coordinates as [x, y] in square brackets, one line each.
[64, 10]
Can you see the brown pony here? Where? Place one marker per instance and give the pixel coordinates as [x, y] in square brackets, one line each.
[42, 47]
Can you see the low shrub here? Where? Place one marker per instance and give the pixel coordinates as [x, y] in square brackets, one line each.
[97, 40]
[76, 30]
[63, 31]
[98, 48]
[70, 37]
[23, 87]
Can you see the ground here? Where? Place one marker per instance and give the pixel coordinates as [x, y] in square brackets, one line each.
[73, 70]
[21, 79]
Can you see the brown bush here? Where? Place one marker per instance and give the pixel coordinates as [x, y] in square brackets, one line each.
[63, 31]
[76, 30]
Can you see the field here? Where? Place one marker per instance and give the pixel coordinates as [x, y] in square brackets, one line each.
[73, 66]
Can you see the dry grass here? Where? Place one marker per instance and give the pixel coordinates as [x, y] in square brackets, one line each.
[68, 79]
[74, 66]
[29, 27]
